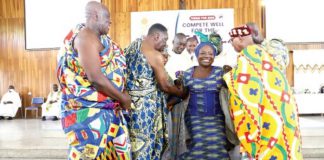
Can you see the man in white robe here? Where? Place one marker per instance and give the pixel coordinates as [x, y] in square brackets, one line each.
[177, 60]
[10, 102]
[52, 105]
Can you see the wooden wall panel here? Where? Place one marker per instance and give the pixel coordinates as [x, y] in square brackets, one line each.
[244, 11]
[301, 46]
[290, 69]
[35, 71]
[28, 71]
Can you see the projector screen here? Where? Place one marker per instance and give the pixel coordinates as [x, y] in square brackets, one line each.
[295, 20]
[47, 22]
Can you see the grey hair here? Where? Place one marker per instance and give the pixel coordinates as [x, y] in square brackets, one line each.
[256, 34]
[94, 7]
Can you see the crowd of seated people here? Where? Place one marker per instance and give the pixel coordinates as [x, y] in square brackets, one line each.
[11, 102]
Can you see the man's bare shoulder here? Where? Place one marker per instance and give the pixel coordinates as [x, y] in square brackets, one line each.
[86, 37]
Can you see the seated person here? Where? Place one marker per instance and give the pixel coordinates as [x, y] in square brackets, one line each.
[52, 105]
[10, 103]
[321, 89]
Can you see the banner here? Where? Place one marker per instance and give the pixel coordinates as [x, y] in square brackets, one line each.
[187, 22]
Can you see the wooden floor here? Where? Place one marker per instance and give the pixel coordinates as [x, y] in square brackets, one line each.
[36, 139]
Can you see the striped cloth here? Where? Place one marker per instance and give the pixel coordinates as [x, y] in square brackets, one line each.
[204, 117]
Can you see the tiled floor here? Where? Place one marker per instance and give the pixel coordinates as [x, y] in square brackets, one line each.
[32, 139]
[34, 134]
[31, 133]
[312, 131]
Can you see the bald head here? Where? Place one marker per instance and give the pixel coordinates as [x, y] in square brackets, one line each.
[179, 36]
[55, 87]
[158, 36]
[191, 44]
[179, 43]
[11, 87]
[97, 17]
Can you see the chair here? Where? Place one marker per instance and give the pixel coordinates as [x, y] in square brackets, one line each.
[35, 103]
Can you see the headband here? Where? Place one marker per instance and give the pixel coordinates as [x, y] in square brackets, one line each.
[214, 40]
[240, 31]
[202, 44]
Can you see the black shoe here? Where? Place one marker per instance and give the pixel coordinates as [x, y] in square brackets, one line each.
[10, 118]
[2, 117]
[55, 118]
[43, 118]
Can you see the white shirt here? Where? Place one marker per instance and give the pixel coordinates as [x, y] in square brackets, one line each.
[227, 57]
[190, 58]
[177, 62]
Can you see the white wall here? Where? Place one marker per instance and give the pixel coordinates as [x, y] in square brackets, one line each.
[47, 22]
[295, 20]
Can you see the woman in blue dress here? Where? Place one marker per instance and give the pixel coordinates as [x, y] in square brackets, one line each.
[204, 117]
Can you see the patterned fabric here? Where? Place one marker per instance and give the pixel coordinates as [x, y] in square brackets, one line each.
[264, 109]
[204, 117]
[213, 38]
[77, 90]
[93, 128]
[148, 115]
[97, 134]
[240, 31]
[279, 52]
[179, 131]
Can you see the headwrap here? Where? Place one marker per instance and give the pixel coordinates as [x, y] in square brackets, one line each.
[202, 44]
[214, 40]
[240, 31]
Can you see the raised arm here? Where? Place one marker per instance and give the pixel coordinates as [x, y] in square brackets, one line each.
[162, 76]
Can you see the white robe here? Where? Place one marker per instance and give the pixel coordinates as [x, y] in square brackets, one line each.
[10, 110]
[53, 109]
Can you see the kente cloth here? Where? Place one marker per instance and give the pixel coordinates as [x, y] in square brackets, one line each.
[94, 129]
[52, 109]
[263, 107]
[204, 117]
[148, 115]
